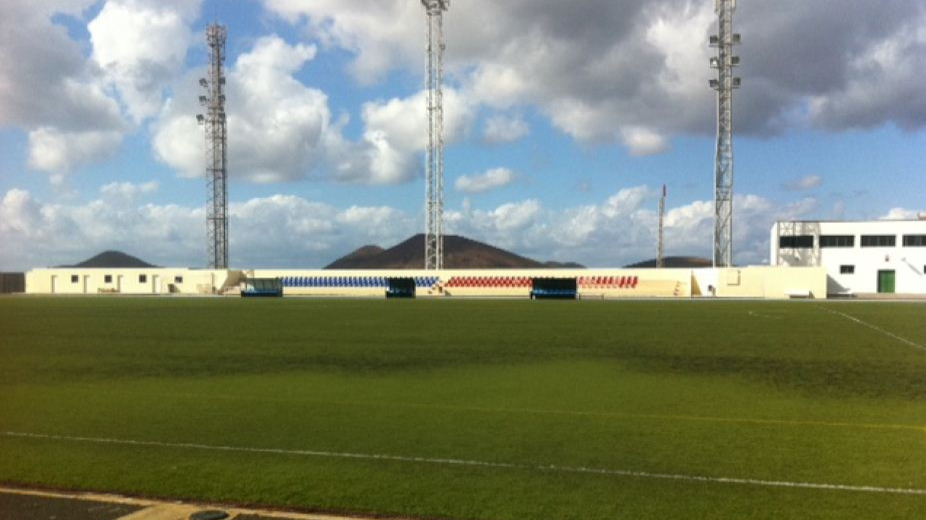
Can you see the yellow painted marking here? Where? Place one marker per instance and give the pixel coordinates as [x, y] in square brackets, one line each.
[158, 509]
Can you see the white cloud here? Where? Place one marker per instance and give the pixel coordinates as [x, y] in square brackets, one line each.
[635, 71]
[622, 229]
[45, 80]
[128, 191]
[641, 141]
[805, 183]
[291, 231]
[489, 180]
[900, 214]
[500, 129]
[396, 132]
[60, 153]
[50, 90]
[281, 230]
[18, 213]
[65, 99]
[379, 32]
[281, 130]
[278, 129]
[884, 80]
[141, 46]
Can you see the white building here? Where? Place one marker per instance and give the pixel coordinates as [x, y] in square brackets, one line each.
[152, 280]
[882, 256]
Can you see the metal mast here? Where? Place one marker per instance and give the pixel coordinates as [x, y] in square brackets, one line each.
[723, 171]
[216, 140]
[661, 250]
[434, 168]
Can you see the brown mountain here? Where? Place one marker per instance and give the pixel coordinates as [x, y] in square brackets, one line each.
[459, 253]
[683, 262]
[112, 259]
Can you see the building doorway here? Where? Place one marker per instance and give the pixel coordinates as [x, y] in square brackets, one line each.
[886, 282]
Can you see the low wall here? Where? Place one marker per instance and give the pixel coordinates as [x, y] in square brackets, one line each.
[771, 283]
[746, 282]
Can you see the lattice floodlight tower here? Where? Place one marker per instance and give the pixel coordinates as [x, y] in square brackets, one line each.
[725, 83]
[216, 141]
[434, 166]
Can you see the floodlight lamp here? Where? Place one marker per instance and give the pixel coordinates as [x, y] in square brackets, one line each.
[203, 82]
[734, 60]
[715, 63]
[715, 40]
[736, 82]
[200, 119]
[714, 83]
[736, 38]
[203, 99]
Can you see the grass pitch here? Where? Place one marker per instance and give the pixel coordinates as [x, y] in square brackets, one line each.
[473, 409]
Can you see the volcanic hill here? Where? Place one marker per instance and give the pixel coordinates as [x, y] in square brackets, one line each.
[459, 253]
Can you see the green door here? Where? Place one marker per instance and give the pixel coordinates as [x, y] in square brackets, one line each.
[886, 282]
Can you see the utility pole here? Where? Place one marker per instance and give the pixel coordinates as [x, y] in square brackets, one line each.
[661, 250]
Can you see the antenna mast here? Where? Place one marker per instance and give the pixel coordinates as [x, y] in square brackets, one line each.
[660, 252]
[434, 167]
[216, 140]
[723, 170]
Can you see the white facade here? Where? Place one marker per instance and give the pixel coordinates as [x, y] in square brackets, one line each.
[137, 281]
[883, 256]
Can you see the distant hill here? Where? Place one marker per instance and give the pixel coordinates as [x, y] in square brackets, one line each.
[684, 262]
[112, 260]
[459, 253]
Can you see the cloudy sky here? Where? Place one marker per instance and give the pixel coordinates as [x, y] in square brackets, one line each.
[563, 121]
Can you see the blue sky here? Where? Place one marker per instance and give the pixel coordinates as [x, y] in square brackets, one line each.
[564, 119]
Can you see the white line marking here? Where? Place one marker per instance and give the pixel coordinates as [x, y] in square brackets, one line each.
[483, 464]
[577, 413]
[766, 316]
[903, 340]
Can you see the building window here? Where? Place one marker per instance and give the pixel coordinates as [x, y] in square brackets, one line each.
[107, 278]
[796, 242]
[879, 240]
[74, 278]
[142, 278]
[847, 269]
[914, 240]
[837, 241]
[178, 279]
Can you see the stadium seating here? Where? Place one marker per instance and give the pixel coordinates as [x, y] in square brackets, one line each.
[339, 281]
[608, 282]
[483, 282]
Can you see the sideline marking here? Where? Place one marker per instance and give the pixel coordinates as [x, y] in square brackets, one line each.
[483, 464]
[878, 329]
[578, 413]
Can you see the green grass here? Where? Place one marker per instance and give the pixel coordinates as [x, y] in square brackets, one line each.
[766, 391]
